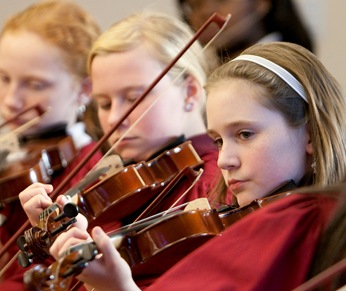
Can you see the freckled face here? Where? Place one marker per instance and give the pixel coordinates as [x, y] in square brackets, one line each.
[257, 149]
[32, 72]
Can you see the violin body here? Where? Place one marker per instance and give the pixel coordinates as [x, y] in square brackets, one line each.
[130, 189]
[40, 161]
[156, 248]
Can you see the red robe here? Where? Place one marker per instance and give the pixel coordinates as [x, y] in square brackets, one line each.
[270, 249]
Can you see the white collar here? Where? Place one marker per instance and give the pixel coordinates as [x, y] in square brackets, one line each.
[79, 136]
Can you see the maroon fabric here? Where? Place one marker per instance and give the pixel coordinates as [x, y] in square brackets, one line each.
[13, 279]
[270, 249]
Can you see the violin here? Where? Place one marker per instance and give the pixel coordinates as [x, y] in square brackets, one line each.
[37, 160]
[232, 214]
[150, 250]
[28, 158]
[123, 193]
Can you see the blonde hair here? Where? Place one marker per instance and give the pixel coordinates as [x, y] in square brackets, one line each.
[324, 113]
[164, 36]
[62, 24]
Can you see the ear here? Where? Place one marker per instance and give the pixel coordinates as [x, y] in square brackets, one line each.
[85, 92]
[193, 93]
[263, 7]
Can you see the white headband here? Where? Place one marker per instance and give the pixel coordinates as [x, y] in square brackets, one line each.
[276, 69]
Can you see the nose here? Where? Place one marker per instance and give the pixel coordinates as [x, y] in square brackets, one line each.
[12, 97]
[116, 113]
[228, 158]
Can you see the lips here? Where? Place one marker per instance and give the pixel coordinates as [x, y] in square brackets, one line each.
[235, 185]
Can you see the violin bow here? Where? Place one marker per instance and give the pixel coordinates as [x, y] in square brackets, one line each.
[36, 107]
[215, 18]
[7, 139]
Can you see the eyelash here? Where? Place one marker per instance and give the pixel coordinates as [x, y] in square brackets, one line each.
[242, 136]
[218, 142]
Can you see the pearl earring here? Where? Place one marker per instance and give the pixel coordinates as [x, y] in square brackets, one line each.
[188, 107]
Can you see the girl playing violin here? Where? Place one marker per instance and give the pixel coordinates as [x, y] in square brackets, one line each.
[43, 56]
[123, 62]
[276, 114]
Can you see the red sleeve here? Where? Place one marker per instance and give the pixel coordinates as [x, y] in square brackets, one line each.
[270, 249]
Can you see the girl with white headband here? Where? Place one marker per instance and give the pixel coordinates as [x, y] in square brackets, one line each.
[277, 115]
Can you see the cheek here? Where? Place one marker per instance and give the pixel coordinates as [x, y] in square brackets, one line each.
[263, 160]
[103, 117]
[150, 123]
[279, 162]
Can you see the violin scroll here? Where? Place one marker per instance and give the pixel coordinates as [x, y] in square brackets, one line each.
[60, 274]
[37, 240]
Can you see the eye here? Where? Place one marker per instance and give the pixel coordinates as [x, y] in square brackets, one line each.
[37, 86]
[245, 134]
[133, 95]
[104, 105]
[4, 79]
[218, 142]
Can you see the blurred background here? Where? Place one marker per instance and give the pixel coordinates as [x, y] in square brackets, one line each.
[324, 18]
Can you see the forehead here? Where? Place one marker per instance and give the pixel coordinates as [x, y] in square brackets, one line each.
[235, 99]
[26, 48]
[135, 67]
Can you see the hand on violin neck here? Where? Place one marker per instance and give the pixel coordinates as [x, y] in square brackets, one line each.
[74, 235]
[34, 199]
[108, 271]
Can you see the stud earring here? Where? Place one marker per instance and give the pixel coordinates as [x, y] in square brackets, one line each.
[80, 111]
[188, 107]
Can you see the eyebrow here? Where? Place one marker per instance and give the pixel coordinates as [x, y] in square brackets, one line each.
[234, 124]
[124, 90]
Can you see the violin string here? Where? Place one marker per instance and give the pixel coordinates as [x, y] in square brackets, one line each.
[188, 189]
[126, 228]
[135, 223]
[182, 72]
[159, 197]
